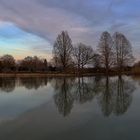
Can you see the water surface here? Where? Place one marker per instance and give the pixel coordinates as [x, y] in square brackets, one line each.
[70, 108]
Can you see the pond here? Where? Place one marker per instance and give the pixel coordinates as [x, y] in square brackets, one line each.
[70, 108]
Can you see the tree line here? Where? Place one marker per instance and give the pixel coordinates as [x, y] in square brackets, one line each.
[112, 52]
[29, 64]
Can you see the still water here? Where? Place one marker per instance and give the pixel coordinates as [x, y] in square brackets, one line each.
[94, 108]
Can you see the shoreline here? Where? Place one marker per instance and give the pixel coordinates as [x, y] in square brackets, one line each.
[62, 74]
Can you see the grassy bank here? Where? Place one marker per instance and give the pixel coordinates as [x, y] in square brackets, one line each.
[57, 74]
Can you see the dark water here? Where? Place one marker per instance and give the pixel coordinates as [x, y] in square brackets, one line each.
[94, 108]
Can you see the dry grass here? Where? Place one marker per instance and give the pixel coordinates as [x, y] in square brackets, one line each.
[136, 70]
[35, 75]
[67, 74]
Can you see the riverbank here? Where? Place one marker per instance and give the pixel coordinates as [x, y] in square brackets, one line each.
[37, 74]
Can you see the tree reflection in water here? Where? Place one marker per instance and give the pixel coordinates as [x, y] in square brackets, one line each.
[84, 90]
[123, 96]
[33, 82]
[68, 90]
[7, 84]
[63, 97]
[114, 94]
[106, 98]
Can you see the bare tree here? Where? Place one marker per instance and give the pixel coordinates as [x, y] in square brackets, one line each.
[8, 62]
[96, 61]
[33, 64]
[45, 64]
[27, 64]
[83, 55]
[123, 50]
[63, 49]
[55, 62]
[105, 48]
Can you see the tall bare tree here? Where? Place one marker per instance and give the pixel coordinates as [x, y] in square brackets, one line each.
[63, 49]
[123, 50]
[105, 48]
[83, 55]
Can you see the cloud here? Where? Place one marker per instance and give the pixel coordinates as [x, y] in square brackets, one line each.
[84, 19]
[46, 18]
[35, 18]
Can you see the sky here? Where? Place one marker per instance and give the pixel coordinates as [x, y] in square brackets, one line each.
[30, 27]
